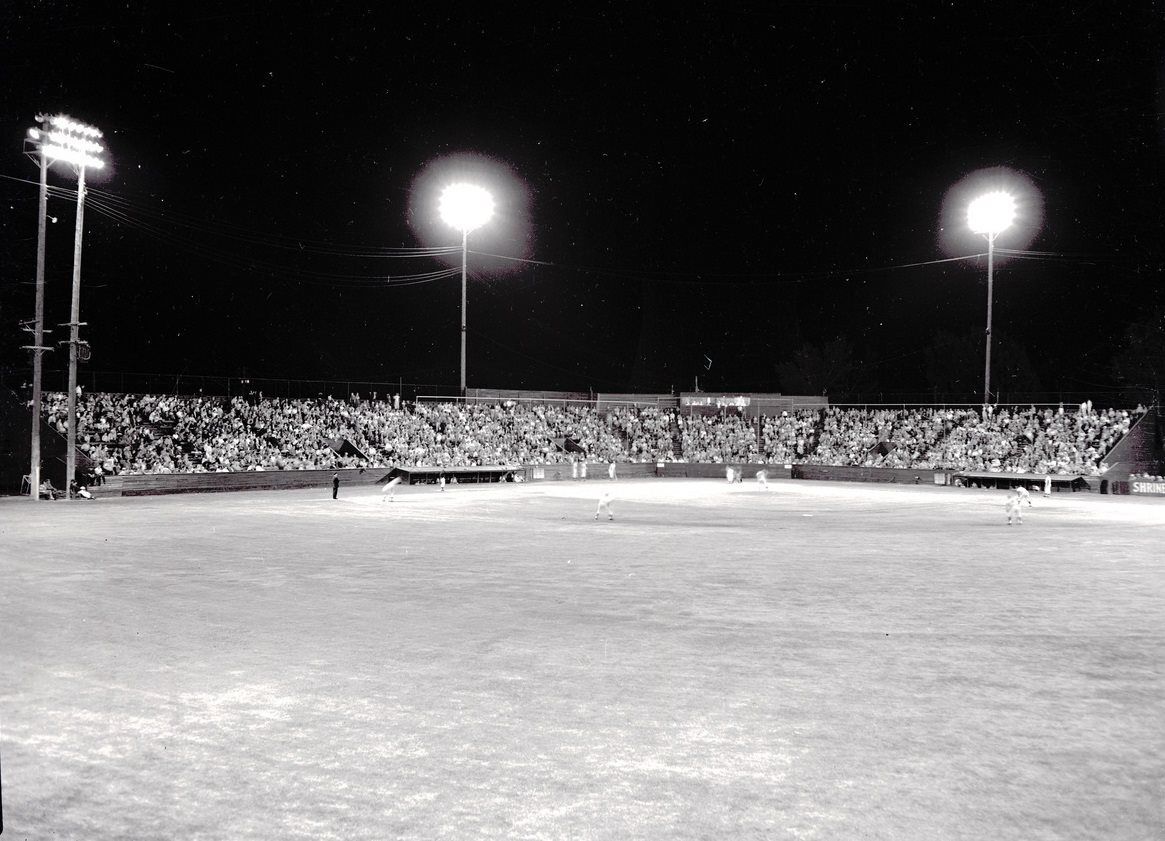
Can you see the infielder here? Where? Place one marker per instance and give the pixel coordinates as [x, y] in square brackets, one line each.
[389, 491]
[762, 479]
[1014, 509]
[604, 505]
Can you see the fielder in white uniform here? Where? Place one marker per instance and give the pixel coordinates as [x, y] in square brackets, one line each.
[604, 505]
[762, 479]
[611, 471]
[1014, 509]
[389, 491]
[1023, 494]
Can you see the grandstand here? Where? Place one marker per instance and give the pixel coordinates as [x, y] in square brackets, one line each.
[141, 443]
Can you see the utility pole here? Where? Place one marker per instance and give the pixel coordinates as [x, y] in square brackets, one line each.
[990, 305]
[37, 347]
[74, 337]
[464, 261]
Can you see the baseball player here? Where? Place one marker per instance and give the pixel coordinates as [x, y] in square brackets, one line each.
[1014, 509]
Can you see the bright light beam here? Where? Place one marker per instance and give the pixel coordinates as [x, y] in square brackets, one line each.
[991, 213]
[465, 207]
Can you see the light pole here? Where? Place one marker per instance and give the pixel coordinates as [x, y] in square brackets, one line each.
[465, 207]
[990, 214]
[64, 139]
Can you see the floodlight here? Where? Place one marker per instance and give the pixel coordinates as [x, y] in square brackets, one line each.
[465, 206]
[991, 213]
[64, 139]
[66, 123]
[72, 156]
[69, 141]
[75, 142]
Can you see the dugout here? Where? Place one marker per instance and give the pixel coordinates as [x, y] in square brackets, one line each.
[853, 473]
[464, 475]
[989, 479]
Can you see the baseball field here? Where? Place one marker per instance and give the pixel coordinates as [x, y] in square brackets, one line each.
[818, 661]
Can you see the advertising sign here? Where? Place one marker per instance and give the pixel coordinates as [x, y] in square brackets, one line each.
[720, 401]
[1143, 487]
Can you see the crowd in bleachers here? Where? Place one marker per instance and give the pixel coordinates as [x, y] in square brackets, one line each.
[718, 439]
[128, 434]
[790, 436]
[133, 434]
[1013, 440]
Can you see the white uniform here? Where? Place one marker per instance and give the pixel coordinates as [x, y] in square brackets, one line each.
[1013, 508]
[604, 505]
[1047, 486]
[763, 479]
[389, 491]
[611, 471]
[730, 474]
[1023, 495]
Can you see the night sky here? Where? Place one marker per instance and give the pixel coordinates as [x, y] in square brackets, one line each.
[711, 182]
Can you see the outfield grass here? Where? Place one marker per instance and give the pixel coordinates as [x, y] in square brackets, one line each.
[826, 661]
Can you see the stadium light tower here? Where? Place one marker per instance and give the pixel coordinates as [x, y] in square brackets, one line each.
[71, 141]
[465, 207]
[990, 214]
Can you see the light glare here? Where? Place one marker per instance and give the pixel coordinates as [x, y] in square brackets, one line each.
[70, 141]
[66, 123]
[991, 213]
[465, 206]
[73, 142]
[73, 156]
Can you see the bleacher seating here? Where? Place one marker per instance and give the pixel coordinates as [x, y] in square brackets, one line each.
[149, 434]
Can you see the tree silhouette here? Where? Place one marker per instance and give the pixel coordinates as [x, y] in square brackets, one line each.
[1139, 364]
[954, 365]
[818, 369]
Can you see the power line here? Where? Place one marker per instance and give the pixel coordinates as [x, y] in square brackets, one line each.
[251, 263]
[727, 278]
[229, 230]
